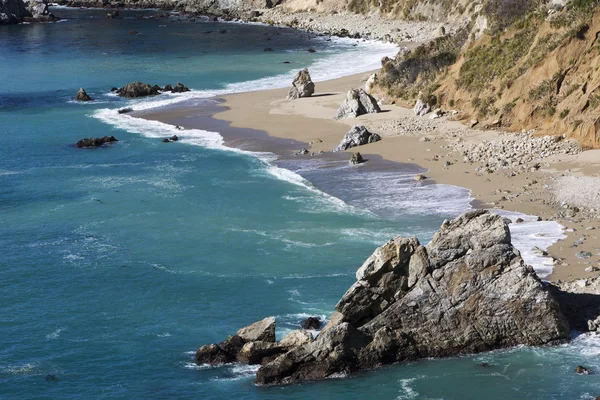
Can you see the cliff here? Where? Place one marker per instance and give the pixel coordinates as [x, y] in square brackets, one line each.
[534, 69]
[12, 11]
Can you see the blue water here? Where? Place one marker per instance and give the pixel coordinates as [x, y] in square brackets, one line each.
[117, 263]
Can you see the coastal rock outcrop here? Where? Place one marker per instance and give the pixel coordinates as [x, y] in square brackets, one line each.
[138, 89]
[178, 88]
[39, 11]
[13, 12]
[254, 344]
[82, 95]
[467, 291]
[302, 85]
[95, 142]
[358, 135]
[356, 159]
[357, 102]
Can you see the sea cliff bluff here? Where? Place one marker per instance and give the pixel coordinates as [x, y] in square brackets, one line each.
[467, 291]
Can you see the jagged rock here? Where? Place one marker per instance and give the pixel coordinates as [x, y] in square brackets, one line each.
[370, 83]
[82, 95]
[255, 352]
[297, 338]
[125, 110]
[168, 88]
[263, 330]
[356, 159]
[357, 102]
[311, 323]
[138, 89]
[95, 142]
[180, 88]
[357, 136]
[174, 138]
[213, 354]
[39, 11]
[421, 108]
[13, 12]
[302, 85]
[467, 291]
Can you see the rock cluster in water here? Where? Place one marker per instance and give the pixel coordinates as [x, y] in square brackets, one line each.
[96, 142]
[357, 102]
[357, 136]
[82, 95]
[302, 86]
[467, 291]
[139, 89]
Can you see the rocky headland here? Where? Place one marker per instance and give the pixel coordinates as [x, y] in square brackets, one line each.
[467, 291]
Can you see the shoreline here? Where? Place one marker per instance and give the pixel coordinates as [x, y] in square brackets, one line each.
[267, 111]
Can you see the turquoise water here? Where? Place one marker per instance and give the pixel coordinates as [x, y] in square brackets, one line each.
[117, 263]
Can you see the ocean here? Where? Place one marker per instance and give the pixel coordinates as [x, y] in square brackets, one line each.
[117, 263]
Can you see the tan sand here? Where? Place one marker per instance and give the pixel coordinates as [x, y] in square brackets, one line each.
[310, 119]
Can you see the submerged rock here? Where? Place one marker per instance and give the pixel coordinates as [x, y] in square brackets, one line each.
[357, 102]
[95, 142]
[302, 85]
[82, 95]
[358, 135]
[467, 291]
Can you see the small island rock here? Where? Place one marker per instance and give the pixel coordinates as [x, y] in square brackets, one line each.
[82, 96]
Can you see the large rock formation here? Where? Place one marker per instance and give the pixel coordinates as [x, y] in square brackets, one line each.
[82, 95]
[357, 102]
[357, 136]
[13, 12]
[39, 11]
[467, 291]
[138, 89]
[96, 142]
[302, 85]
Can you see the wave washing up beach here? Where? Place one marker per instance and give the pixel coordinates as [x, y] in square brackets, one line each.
[225, 204]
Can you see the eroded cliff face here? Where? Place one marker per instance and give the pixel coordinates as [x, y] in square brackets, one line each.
[530, 68]
[467, 291]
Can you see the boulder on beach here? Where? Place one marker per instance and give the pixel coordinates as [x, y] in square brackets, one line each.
[302, 85]
[357, 102]
[358, 135]
[467, 291]
[82, 95]
[421, 108]
[356, 159]
[96, 142]
[138, 89]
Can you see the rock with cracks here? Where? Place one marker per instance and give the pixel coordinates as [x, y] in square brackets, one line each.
[357, 136]
[302, 85]
[357, 102]
[467, 291]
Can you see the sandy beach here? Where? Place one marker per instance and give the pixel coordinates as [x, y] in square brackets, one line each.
[419, 140]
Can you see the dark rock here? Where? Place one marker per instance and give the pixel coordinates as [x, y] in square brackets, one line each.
[113, 15]
[255, 352]
[166, 141]
[180, 88]
[268, 49]
[302, 85]
[114, 89]
[311, 323]
[96, 142]
[167, 88]
[357, 103]
[13, 12]
[125, 110]
[51, 377]
[213, 354]
[132, 32]
[311, 50]
[357, 136]
[138, 89]
[356, 159]
[174, 138]
[82, 95]
[582, 370]
[254, 14]
[286, 62]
